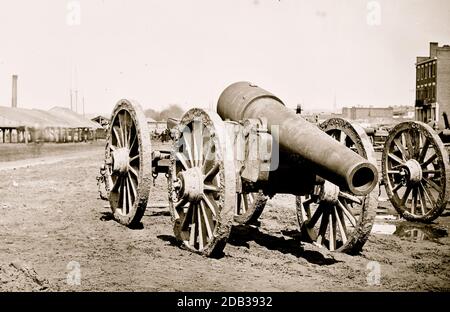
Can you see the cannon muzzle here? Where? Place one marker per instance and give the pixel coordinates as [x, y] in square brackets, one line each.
[329, 158]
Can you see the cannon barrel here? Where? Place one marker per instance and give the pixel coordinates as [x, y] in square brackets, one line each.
[330, 159]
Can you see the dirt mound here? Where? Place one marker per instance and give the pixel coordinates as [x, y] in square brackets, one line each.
[17, 276]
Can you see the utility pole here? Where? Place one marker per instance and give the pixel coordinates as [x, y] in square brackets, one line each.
[71, 100]
[14, 91]
[76, 100]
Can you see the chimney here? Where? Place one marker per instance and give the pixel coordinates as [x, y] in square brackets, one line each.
[433, 49]
[14, 91]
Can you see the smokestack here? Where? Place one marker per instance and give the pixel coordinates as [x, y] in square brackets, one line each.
[71, 100]
[433, 49]
[14, 91]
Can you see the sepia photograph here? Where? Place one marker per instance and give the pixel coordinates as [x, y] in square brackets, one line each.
[224, 146]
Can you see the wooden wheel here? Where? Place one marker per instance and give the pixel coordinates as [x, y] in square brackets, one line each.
[416, 171]
[128, 163]
[333, 218]
[249, 207]
[202, 183]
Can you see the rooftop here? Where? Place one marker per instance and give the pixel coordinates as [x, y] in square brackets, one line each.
[55, 117]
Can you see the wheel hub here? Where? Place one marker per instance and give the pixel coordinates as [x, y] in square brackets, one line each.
[120, 160]
[412, 171]
[329, 193]
[191, 184]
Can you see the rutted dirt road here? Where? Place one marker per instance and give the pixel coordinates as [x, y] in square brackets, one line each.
[52, 220]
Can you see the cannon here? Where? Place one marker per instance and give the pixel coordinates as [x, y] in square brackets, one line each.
[415, 171]
[223, 167]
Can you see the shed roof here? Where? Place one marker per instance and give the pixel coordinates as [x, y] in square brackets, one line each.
[56, 117]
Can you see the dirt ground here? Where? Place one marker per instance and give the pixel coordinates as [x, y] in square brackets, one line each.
[55, 234]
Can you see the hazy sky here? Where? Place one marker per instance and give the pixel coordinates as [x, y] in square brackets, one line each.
[186, 52]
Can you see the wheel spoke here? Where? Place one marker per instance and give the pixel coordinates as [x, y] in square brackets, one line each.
[395, 158]
[406, 194]
[183, 160]
[415, 143]
[351, 198]
[428, 195]
[433, 184]
[210, 205]
[347, 213]
[315, 217]
[414, 200]
[133, 186]
[187, 216]
[341, 224]
[193, 228]
[423, 203]
[332, 225]
[200, 228]
[397, 187]
[423, 153]
[180, 204]
[117, 184]
[125, 129]
[132, 143]
[307, 203]
[124, 199]
[431, 171]
[129, 130]
[118, 138]
[400, 147]
[209, 224]
[134, 158]
[133, 171]
[213, 171]
[429, 161]
[198, 142]
[323, 226]
[208, 154]
[188, 146]
[130, 201]
[211, 188]
[409, 144]
[305, 213]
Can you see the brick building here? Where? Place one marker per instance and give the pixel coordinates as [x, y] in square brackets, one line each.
[433, 85]
[369, 114]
